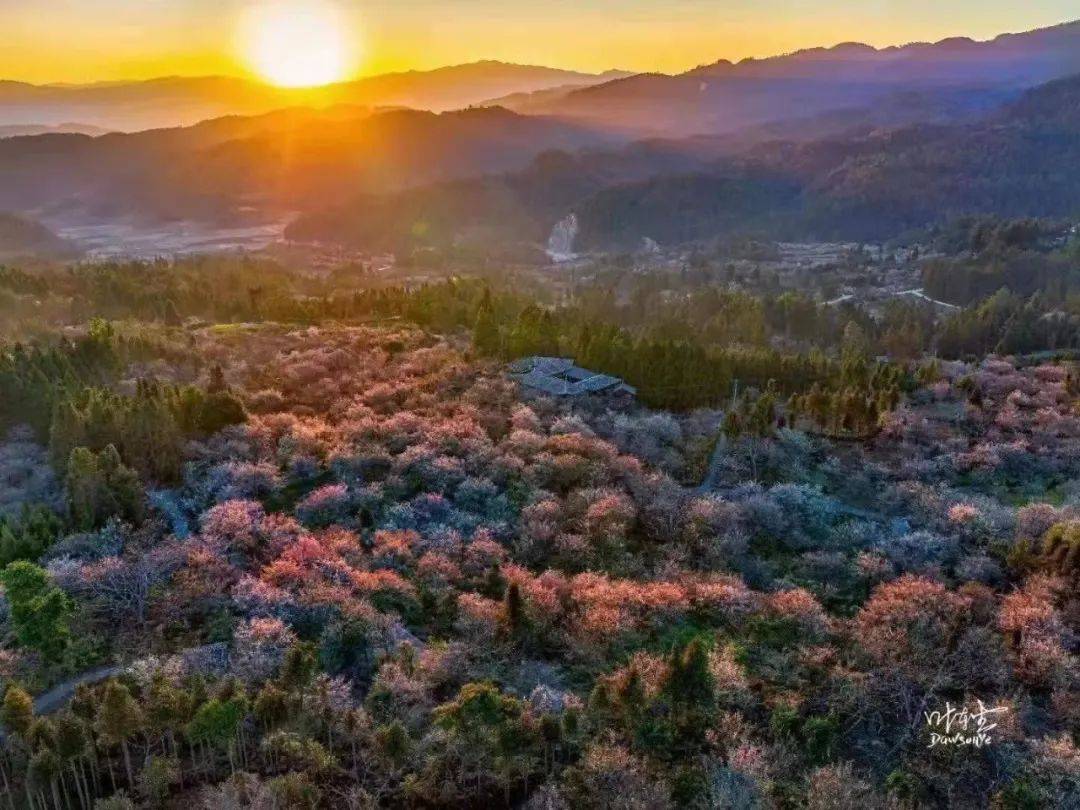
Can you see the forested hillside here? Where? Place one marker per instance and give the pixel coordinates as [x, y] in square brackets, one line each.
[297, 560]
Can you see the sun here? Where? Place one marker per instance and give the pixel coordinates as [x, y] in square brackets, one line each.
[296, 43]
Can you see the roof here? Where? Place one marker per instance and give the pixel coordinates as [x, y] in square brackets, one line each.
[560, 377]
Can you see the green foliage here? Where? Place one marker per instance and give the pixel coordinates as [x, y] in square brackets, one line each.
[821, 735]
[217, 721]
[1006, 323]
[220, 410]
[271, 705]
[294, 790]
[392, 742]
[40, 612]
[28, 537]
[148, 428]
[119, 716]
[690, 682]
[37, 379]
[17, 712]
[674, 209]
[101, 487]
[1060, 552]
[479, 707]
[1002, 260]
[1021, 795]
[344, 648]
[902, 785]
[784, 721]
[300, 665]
[486, 328]
[156, 780]
[299, 752]
[72, 740]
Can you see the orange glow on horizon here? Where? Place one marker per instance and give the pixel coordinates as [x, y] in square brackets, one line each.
[192, 38]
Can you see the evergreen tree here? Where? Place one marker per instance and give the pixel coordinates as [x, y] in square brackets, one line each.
[119, 719]
[100, 486]
[17, 712]
[28, 537]
[219, 410]
[39, 610]
[547, 339]
[486, 328]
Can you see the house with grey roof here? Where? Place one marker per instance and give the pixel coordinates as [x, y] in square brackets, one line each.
[560, 377]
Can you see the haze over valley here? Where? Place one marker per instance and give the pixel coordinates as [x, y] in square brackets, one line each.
[785, 137]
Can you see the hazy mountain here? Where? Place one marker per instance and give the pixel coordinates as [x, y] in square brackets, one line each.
[1027, 58]
[724, 97]
[22, 237]
[1023, 162]
[225, 170]
[181, 101]
[22, 130]
[869, 184]
[494, 209]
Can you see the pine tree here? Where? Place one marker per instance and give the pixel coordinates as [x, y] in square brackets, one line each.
[486, 328]
[72, 746]
[219, 410]
[547, 336]
[17, 712]
[119, 719]
[100, 486]
[1061, 549]
[39, 610]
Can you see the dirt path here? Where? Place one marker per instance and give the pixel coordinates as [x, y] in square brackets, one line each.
[58, 697]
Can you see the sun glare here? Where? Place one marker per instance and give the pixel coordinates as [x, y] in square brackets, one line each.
[294, 43]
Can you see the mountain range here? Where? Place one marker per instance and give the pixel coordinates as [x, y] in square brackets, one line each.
[236, 167]
[1021, 160]
[726, 96]
[182, 101]
[845, 142]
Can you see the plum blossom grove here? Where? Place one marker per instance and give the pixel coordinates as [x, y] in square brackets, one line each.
[394, 581]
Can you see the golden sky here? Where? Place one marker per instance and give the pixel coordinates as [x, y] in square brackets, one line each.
[94, 40]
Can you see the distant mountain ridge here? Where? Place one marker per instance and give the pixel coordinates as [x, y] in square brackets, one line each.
[817, 144]
[267, 165]
[25, 130]
[868, 185]
[724, 96]
[21, 237]
[1029, 58]
[181, 101]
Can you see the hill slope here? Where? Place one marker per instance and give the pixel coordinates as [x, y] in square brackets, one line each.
[181, 101]
[723, 97]
[871, 184]
[21, 237]
[283, 161]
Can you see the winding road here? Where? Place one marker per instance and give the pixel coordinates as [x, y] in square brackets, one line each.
[58, 697]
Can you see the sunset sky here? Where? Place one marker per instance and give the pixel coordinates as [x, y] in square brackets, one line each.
[91, 40]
